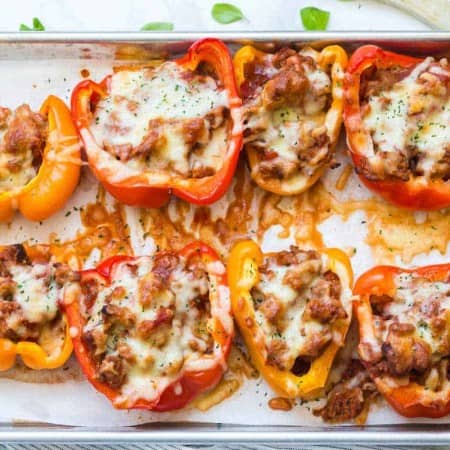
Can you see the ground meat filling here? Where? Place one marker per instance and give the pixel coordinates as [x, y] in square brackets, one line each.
[297, 302]
[147, 323]
[412, 332]
[286, 97]
[29, 294]
[23, 135]
[407, 112]
[165, 119]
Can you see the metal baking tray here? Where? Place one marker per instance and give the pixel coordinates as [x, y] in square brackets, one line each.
[139, 46]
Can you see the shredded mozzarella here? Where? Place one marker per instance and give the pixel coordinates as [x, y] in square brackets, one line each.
[172, 95]
[185, 343]
[409, 116]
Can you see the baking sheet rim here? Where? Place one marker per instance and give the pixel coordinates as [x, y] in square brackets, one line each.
[230, 434]
[146, 37]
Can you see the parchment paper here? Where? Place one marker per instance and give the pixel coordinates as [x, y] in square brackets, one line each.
[76, 402]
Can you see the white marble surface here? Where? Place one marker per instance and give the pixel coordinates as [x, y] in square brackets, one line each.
[195, 15]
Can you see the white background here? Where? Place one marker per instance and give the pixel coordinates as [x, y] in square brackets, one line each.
[195, 15]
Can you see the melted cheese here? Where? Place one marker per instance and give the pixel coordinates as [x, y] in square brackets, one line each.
[406, 115]
[413, 300]
[172, 95]
[297, 333]
[287, 130]
[37, 295]
[157, 365]
[14, 180]
[433, 138]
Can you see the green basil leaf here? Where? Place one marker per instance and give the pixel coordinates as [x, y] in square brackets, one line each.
[226, 13]
[314, 18]
[37, 26]
[157, 26]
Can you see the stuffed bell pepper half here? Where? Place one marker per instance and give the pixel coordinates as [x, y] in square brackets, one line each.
[152, 332]
[397, 117]
[293, 103]
[404, 327]
[39, 159]
[31, 323]
[152, 131]
[293, 309]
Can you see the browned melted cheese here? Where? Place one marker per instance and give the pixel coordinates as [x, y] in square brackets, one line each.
[248, 212]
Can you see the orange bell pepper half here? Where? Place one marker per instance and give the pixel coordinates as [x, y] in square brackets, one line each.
[243, 275]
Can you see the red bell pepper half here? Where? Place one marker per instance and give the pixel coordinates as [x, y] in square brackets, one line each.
[147, 191]
[417, 192]
[200, 371]
[395, 325]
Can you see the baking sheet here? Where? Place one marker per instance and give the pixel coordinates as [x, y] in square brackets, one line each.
[75, 402]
